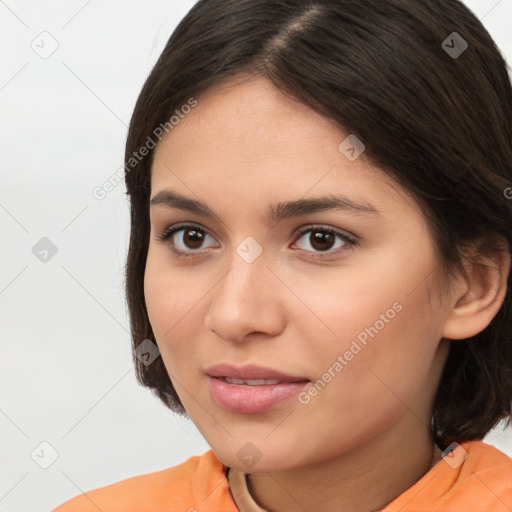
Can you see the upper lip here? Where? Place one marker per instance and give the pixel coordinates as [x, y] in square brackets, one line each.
[251, 372]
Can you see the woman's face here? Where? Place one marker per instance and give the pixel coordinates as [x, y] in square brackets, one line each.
[289, 292]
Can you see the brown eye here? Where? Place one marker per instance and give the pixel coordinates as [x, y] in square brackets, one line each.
[185, 239]
[324, 240]
[321, 240]
[192, 238]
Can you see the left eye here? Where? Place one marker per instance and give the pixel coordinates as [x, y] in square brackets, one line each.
[323, 239]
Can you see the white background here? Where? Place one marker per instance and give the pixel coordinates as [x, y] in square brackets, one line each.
[66, 373]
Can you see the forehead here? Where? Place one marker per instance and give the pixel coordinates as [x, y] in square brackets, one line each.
[252, 107]
[247, 138]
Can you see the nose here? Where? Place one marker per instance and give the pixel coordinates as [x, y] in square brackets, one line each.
[247, 300]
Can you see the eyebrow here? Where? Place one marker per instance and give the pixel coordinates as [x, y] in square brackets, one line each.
[276, 212]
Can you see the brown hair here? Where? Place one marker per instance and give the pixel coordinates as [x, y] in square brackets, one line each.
[434, 115]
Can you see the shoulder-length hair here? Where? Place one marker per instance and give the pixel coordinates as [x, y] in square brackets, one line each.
[423, 84]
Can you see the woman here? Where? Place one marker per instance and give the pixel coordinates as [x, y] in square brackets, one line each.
[320, 250]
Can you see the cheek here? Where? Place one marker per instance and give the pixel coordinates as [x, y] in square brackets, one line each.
[381, 325]
[385, 365]
[157, 299]
[173, 302]
[167, 291]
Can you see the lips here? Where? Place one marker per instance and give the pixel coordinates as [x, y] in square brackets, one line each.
[251, 382]
[251, 375]
[252, 399]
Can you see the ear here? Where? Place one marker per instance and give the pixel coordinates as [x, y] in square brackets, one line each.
[477, 300]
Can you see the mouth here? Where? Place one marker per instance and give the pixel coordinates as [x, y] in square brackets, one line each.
[252, 389]
[253, 382]
[252, 375]
[252, 399]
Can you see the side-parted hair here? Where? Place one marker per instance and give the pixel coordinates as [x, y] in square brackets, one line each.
[423, 85]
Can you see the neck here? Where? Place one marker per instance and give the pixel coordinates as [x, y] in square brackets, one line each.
[365, 479]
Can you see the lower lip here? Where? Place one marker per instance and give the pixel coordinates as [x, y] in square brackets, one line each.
[252, 399]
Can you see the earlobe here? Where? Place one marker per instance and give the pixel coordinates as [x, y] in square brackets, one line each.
[480, 299]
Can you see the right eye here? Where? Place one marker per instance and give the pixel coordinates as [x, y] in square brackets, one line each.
[184, 239]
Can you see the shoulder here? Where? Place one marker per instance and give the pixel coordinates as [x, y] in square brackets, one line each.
[485, 455]
[488, 471]
[475, 477]
[199, 481]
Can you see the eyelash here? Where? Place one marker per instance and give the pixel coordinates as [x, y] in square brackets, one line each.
[170, 231]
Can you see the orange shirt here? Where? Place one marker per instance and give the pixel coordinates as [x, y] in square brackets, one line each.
[480, 483]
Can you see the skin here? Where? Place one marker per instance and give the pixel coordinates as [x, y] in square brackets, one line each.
[364, 438]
